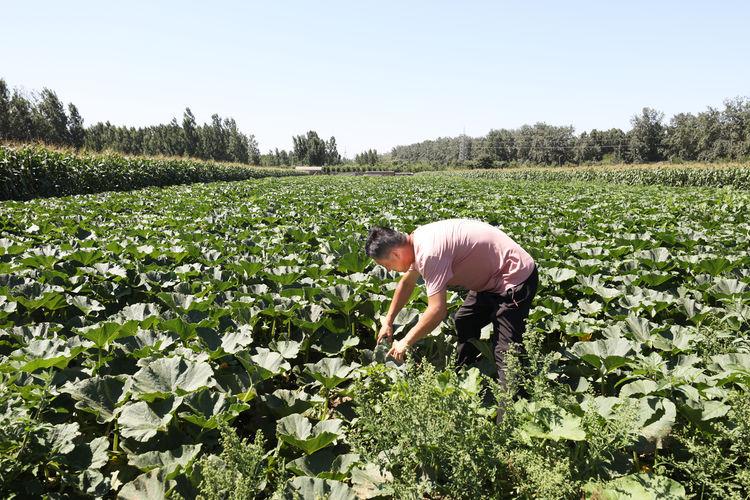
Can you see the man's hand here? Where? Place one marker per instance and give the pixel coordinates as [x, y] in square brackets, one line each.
[386, 332]
[398, 350]
[400, 297]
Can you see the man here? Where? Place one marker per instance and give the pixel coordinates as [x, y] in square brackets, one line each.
[501, 278]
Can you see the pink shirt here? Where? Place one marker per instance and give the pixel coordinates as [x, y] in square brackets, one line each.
[468, 253]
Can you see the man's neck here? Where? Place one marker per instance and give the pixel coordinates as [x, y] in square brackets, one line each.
[410, 245]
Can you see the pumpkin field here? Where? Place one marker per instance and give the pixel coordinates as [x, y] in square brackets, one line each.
[218, 341]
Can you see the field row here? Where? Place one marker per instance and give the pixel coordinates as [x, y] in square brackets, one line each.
[135, 326]
[30, 172]
[691, 175]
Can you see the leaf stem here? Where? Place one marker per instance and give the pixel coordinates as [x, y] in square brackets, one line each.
[115, 439]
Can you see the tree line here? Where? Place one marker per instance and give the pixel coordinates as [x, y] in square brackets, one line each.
[40, 118]
[219, 140]
[43, 117]
[712, 135]
[369, 157]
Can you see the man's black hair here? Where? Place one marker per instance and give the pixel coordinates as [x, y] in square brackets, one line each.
[382, 240]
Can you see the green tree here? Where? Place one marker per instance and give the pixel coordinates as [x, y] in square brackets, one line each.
[710, 133]
[646, 138]
[369, 157]
[237, 143]
[545, 144]
[253, 150]
[172, 139]
[213, 140]
[332, 155]
[190, 132]
[300, 148]
[587, 149]
[500, 145]
[309, 149]
[283, 158]
[21, 118]
[76, 132]
[682, 137]
[737, 127]
[51, 122]
[4, 110]
[316, 149]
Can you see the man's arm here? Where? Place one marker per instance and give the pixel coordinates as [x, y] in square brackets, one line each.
[436, 312]
[401, 295]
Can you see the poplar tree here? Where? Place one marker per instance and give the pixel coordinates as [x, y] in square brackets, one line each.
[76, 132]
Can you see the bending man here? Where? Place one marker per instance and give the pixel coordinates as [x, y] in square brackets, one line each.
[500, 275]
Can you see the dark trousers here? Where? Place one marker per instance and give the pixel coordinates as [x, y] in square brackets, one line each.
[506, 311]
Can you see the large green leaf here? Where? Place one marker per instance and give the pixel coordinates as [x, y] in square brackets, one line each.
[168, 462]
[98, 395]
[59, 439]
[297, 431]
[558, 275]
[146, 343]
[333, 343]
[645, 332]
[46, 353]
[237, 340]
[325, 464]
[150, 485]
[731, 364]
[265, 364]
[549, 422]
[314, 488]
[85, 304]
[289, 349]
[283, 402]
[184, 303]
[209, 408]
[330, 372]
[146, 314]
[141, 421]
[370, 481]
[637, 487]
[606, 355]
[656, 416]
[342, 297]
[654, 257]
[163, 377]
[638, 387]
[310, 317]
[102, 334]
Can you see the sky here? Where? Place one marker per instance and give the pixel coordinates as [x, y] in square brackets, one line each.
[379, 74]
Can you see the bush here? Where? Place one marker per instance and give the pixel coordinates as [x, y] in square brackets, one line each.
[237, 473]
[432, 433]
[713, 462]
[484, 161]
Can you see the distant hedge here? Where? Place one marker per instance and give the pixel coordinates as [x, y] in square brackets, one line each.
[736, 176]
[28, 172]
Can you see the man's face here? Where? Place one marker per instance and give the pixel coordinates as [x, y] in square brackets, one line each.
[396, 260]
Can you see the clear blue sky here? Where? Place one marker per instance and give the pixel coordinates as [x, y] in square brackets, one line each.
[379, 74]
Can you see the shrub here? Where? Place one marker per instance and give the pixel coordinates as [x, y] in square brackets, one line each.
[432, 433]
[238, 472]
[713, 462]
